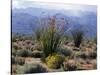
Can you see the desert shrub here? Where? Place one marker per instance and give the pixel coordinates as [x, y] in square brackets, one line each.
[20, 60]
[54, 61]
[31, 68]
[24, 53]
[70, 65]
[37, 54]
[77, 37]
[65, 51]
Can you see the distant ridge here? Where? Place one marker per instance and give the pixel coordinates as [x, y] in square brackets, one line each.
[25, 21]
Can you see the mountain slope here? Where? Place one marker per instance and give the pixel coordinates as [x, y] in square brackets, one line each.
[27, 20]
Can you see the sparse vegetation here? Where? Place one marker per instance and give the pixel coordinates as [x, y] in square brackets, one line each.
[53, 52]
[51, 49]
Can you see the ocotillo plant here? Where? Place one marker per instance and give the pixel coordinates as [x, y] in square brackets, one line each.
[77, 37]
[51, 37]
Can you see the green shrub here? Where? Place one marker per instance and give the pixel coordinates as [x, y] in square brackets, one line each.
[54, 61]
[31, 68]
[24, 53]
[77, 37]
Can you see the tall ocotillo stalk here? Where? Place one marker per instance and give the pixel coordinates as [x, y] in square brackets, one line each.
[51, 37]
[77, 37]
